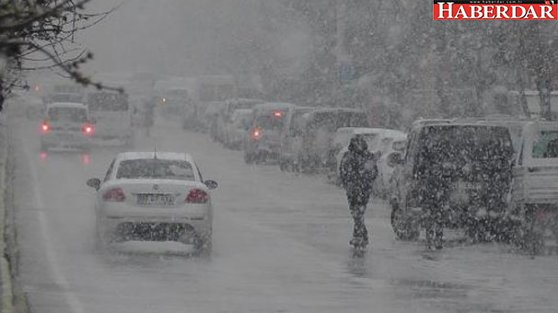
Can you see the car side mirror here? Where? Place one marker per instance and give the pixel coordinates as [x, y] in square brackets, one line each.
[395, 159]
[211, 184]
[94, 183]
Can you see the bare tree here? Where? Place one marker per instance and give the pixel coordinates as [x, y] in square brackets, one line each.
[43, 32]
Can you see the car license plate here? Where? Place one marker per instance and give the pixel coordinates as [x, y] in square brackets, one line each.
[155, 199]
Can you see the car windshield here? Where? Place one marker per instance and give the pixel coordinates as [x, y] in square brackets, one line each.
[155, 169]
[546, 145]
[57, 114]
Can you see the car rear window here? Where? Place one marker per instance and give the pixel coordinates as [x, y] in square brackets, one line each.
[155, 169]
[270, 121]
[67, 114]
[483, 147]
[546, 145]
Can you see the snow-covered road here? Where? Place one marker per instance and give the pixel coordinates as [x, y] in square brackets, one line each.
[280, 245]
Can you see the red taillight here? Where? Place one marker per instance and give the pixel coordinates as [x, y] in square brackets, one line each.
[114, 195]
[45, 128]
[197, 196]
[256, 134]
[88, 129]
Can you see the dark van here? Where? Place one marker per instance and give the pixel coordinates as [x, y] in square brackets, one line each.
[466, 165]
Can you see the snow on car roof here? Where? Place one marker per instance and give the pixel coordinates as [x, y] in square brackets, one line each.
[273, 106]
[246, 100]
[542, 125]
[151, 155]
[367, 130]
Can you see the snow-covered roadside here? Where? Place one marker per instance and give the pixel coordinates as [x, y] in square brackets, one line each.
[6, 279]
[11, 295]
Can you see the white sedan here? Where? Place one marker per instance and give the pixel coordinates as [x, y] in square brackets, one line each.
[154, 198]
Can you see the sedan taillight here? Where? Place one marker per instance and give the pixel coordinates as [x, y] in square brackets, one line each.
[45, 128]
[197, 196]
[88, 129]
[256, 134]
[114, 195]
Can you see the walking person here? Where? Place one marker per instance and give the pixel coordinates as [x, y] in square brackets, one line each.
[358, 172]
[435, 192]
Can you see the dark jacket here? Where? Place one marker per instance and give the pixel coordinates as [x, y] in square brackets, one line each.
[358, 168]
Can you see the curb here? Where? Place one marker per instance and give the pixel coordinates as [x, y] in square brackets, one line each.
[14, 299]
[5, 273]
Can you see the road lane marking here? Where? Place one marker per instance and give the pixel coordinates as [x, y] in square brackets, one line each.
[59, 278]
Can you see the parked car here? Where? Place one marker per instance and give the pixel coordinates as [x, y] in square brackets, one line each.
[263, 140]
[66, 126]
[237, 128]
[153, 197]
[224, 119]
[467, 165]
[535, 186]
[291, 139]
[319, 128]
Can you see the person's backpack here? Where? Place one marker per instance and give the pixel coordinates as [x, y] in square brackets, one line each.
[344, 169]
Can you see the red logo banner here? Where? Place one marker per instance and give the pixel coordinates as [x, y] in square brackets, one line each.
[496, 10]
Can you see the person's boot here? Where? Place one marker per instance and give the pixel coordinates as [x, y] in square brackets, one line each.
[429, 237]
[439, 241]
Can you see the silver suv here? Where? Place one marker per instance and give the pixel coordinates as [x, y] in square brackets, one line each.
[66, 126]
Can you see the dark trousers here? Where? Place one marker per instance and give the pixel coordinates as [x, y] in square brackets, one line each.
[357, 205]
[434, 226]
